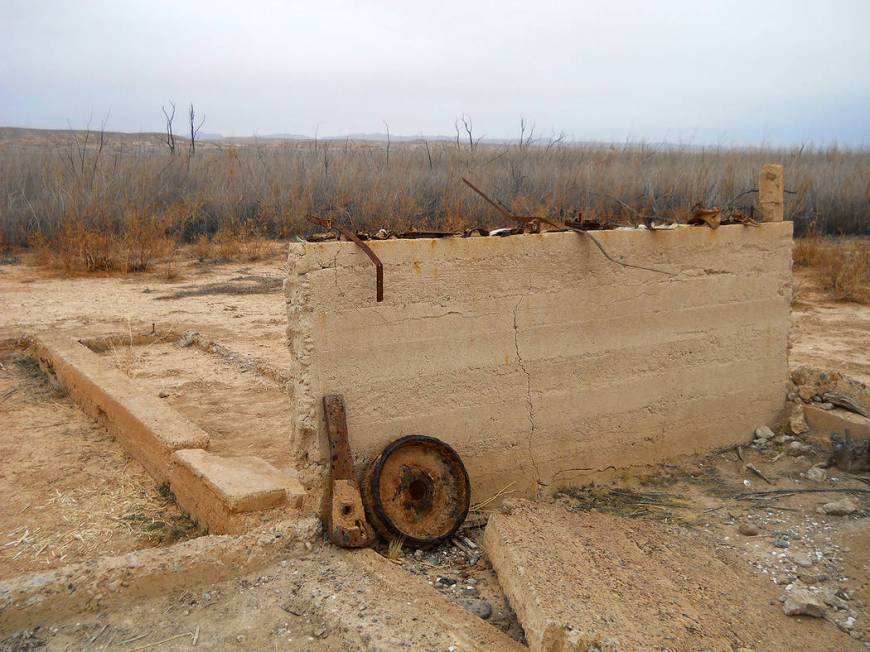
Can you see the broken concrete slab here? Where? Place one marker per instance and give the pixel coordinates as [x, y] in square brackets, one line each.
[402, 604]
[230, 494]
[148, 429]
[824, 422]
[30, 600]
[537, 359]
[583, 580]
[380, 605]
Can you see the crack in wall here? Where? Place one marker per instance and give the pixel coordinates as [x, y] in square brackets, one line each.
[532, 426]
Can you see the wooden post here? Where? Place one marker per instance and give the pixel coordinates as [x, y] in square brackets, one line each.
[770, 192]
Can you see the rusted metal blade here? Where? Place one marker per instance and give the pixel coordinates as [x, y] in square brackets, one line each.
[346, 522]
[350, 235]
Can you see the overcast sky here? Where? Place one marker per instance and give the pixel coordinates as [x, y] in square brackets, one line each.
[695, 71]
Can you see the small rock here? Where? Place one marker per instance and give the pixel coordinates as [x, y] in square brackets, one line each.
[801, 559]
[763, 432]
[800, 602]
[797, 448]
[479, 607]
[816, 474]
[792, 396]
[826, 406]
[812, 578]
[446, 581]
[796, 422]
[748, 529]
[829, 596]
[780, 543]
[847, 624]
[163, 393]
[842, 507]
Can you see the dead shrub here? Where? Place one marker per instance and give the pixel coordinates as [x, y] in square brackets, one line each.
[842, 266]
[227, 244]
[847, 273]
[144, 240]
[201, 248]
[79, 248]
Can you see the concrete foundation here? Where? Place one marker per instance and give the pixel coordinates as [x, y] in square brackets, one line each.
[541, 362]
[225, 495]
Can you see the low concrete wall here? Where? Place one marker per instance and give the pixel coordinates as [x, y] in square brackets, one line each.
[226, 495]
[539, 360]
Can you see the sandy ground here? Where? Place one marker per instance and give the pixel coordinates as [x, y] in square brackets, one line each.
[243, 412]
[828, 334]
[53, 455]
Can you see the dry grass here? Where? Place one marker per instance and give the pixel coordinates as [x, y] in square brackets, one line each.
[655, 505]
[93, 516]
[842, 266]
[394, 549]
[119, 208]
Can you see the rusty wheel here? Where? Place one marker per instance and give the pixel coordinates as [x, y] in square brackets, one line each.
[417, 488]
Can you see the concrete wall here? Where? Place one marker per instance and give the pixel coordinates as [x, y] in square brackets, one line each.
[539, 360]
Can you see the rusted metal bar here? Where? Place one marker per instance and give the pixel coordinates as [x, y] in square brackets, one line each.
[346, 522]
[350, 235]
[531, 219]
[527, 219]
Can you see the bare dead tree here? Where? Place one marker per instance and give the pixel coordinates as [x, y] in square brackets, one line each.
[428, 153]
[194, 130]
[170, 134]
[526, 140]
[81, 146]
[388, 142]
[469, 128]
[555, 140]
[100, 146]
[456, 127]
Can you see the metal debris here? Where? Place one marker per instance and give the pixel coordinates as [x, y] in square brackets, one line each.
[712, 217]
[346, 523]
[418, 489]
[350, 235]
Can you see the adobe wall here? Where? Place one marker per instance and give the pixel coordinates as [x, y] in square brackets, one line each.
[541, 362]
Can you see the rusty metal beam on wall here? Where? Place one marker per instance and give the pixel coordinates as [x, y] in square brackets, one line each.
[535, 225]
[350, 235]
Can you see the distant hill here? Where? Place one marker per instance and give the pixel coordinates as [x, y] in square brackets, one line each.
[42, 137]
[16, 136]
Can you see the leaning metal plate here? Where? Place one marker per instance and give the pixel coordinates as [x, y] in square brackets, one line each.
[418, 489]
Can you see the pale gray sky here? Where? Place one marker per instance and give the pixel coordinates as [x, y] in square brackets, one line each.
[697, 71]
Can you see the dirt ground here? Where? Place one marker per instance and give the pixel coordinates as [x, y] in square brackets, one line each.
[244, 412]
[70, 492]
[828, 334]
[73, 495]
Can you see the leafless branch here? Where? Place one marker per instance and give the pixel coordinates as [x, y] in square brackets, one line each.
[170, 135]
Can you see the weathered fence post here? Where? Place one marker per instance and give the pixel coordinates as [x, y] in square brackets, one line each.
[770, 192]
